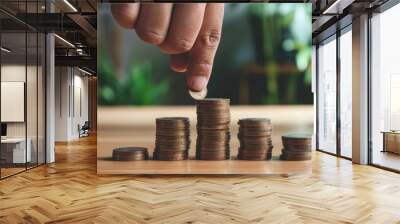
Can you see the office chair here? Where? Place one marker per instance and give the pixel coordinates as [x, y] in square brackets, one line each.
[84, 130]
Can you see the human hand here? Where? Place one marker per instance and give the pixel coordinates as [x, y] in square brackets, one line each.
[189, 33]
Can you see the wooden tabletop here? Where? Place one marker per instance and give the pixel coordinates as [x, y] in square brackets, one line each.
[135, 126]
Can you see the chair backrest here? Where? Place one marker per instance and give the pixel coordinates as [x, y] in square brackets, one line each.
[86, 125]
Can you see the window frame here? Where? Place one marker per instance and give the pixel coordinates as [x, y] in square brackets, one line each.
[333, 37]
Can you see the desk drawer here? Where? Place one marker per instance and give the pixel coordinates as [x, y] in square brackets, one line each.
[12, 153]
[6, 153]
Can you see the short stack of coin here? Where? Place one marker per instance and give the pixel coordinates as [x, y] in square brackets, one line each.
[255, 137]
[172, 138]
[213, 129]
[296, 146]
[130, 154]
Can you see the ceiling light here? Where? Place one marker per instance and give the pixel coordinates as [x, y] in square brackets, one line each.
[65, 41]
[337, 7]
[333, 6]
[70, 5]
[79, 51]
[5, 50]
[84, 71]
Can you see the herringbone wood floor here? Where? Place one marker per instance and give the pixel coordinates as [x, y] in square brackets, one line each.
[71, 192]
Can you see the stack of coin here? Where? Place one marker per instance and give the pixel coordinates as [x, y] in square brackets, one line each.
[172, 138]
[213, 129]
[130, 154]
[255, 137]
[297, 146]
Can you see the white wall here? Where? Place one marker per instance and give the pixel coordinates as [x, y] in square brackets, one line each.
[71, 93]
[17, 73]
[80, 111]
[14, 73]
[13, 101]
[62, 81]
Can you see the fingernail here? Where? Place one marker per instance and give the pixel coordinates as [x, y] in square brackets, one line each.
[197, 83]
[178, 68]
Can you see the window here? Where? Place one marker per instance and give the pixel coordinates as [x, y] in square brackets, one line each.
[327, 96]
[385, 89]
[346, 94]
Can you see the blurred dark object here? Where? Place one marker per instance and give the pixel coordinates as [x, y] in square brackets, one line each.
[84, 130]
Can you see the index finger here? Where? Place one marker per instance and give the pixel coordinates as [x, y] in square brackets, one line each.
[203, 52]
[125, 14]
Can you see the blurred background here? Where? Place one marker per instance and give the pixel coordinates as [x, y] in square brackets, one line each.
[264, 57]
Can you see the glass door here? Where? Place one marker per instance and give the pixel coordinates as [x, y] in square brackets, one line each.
[327, 96]
[385, 89]
[32, 98]
[22, 77]
[13, 105]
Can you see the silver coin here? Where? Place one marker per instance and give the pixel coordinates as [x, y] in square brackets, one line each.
[198, 95]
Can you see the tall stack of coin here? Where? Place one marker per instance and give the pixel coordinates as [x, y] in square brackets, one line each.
[172, 138]
[297, 146]
[213, 129]
[255, 137]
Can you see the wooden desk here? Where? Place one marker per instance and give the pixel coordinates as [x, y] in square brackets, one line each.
[391, 141]
[13, 150]
[135, 126]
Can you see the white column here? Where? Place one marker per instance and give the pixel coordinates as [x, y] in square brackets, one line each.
[50, 92]
[50, 98]
[360, 90]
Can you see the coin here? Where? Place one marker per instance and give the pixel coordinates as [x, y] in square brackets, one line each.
[213, 155]
[170, 156]
[213, 129]
[172, 138]
[255, 156]
[299, 157]
[254, 121]
[130, 154]
[198, 95]
[255, 138]
[297, 136]
[297, 146]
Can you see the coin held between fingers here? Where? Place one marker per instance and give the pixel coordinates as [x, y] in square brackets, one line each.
[198, 95]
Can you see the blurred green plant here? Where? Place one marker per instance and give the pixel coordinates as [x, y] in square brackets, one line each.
[278, 46]
[300, 27]
[136, 87]
[275, 21]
